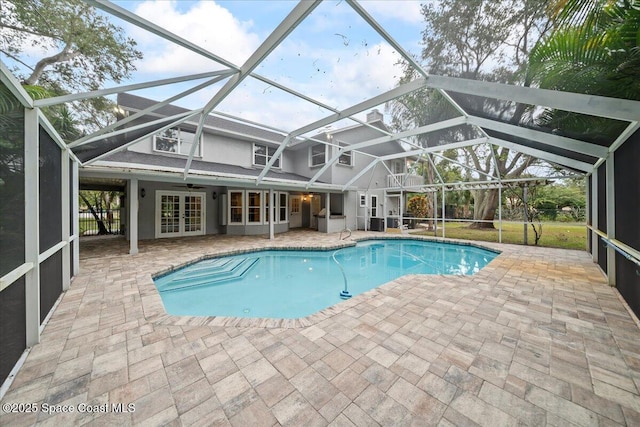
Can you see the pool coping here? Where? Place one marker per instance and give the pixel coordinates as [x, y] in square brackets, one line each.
[154, 310]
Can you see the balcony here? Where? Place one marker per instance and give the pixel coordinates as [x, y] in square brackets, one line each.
[400, 180]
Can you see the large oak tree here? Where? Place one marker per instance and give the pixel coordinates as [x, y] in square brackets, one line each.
[66, 46]
[482, 40]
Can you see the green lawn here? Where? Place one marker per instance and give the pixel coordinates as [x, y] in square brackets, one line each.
[554, 234]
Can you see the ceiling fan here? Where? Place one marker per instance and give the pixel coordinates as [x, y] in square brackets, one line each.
[189, 186]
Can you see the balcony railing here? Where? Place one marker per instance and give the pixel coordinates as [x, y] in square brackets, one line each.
[399, 180]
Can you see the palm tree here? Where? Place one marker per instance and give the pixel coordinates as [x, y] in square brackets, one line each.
[593, 49]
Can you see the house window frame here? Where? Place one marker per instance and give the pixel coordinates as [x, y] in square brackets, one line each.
[267, 156]
[252, 208]
[312, 155]
[298, 205]
[179, 140]
[281, 207]
[363, 199]
[348, 154]
[231, 207]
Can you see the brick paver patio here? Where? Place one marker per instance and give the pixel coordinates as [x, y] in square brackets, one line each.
[536, 338]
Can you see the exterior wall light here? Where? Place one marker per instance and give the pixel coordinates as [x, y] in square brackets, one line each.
[143, 193]
[214, 195]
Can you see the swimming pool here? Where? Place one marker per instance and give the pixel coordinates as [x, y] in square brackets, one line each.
[292, 284]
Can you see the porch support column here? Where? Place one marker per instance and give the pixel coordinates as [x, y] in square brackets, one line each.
[500, 214]
[587, 214]
[435, 214]
[32, 221]
[594, 214]
[611, 220]
[444, 212]
[401, 213]
[366, 210]
[76, 218]
[271, 215]
[66, 229]
[327, 205]
[133, 216]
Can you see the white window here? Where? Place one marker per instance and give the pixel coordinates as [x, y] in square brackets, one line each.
[177, 141]
[262, 154]
[317, 155]
[254, 207]
[374, 206]
[346, 158]
[267, 212]
[236, 203]
[284, 206]
[295, 205]
[280, 207]
[363, 200]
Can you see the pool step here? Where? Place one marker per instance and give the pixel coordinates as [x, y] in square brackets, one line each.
[235, 269]
[201, 269]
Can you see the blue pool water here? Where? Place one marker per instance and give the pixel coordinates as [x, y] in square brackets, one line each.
[292, 284]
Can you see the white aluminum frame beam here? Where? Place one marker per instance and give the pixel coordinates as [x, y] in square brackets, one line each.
[32, 219]
[182, 118]
[119, 89]
[138, 21]
[437, 148]
[140, 126]
[629, 130]
[613, 108]
[361, 174]
[97, 135]
[314, 101]
[542, 137]
[435, 169]
[14, 86]
[466, 166]
[543, 155]
[422, 151]
[380, 30]
[288, 24]
[611, 218]
[354, 109]
[384, 139]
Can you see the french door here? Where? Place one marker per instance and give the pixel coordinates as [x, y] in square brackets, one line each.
[179, 213]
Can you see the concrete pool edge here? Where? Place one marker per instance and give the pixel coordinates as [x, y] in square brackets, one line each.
[154, 310]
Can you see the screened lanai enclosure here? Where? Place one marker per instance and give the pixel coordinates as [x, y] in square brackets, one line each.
[40, 171]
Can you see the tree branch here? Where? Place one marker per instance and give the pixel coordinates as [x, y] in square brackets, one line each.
[61, 56]
[29, 31]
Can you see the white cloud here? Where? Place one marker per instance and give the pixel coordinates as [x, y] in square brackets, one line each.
[206, 24]
[406, 10]
[334, 74]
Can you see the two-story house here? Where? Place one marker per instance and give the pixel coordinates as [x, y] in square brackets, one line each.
[222, 193]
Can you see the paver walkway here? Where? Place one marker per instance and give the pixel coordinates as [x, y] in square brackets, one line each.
[536, 338]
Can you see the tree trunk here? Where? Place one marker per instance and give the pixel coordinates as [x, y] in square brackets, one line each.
[488, 211]
[102, 230]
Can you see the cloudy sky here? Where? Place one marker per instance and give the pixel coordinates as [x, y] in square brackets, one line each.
[333, 56]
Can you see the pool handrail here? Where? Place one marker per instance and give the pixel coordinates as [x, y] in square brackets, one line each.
[344, 294]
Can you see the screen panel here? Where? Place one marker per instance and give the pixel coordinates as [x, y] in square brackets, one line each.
[12, 227]
[589, 212]
[602, 215]
[50, 283]
[50, 192]
[627, 187]
[13, 326]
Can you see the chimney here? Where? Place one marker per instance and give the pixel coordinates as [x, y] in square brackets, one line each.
[374, 115]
